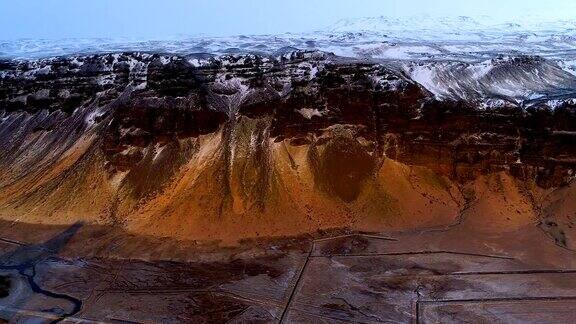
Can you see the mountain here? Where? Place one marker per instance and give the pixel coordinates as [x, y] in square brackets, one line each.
[372, 123]
[464, 26]
[237, 146]
[376, 171]
[523, 79]
[408, 38]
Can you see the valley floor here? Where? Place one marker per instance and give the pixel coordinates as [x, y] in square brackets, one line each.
[464, 272]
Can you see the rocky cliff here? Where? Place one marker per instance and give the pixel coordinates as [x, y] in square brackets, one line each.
[239, 146]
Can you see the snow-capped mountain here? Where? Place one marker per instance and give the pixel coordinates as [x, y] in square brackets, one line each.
[527, 80]
[407, 38]
[453, 57]
[452, 25]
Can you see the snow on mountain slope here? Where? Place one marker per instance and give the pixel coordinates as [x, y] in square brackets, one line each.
[519, 61]
[516, 79]
[408, 38]
[454, 25]
[459, 38]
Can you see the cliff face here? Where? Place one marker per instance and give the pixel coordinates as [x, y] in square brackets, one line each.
[240, 146]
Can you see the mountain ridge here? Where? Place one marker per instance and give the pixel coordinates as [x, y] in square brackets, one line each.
[234, 147]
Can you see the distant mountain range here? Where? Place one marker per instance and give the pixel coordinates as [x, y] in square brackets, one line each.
[409, 38]
[452, 25]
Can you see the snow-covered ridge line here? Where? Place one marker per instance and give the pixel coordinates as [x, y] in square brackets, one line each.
[496, 82]
[412, 38]
[522, 80]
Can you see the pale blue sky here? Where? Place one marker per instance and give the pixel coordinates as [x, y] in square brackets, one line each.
[53, 19]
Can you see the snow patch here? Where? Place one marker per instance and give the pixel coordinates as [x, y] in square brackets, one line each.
[308, 113]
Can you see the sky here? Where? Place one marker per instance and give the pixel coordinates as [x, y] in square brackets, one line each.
[147, 19]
